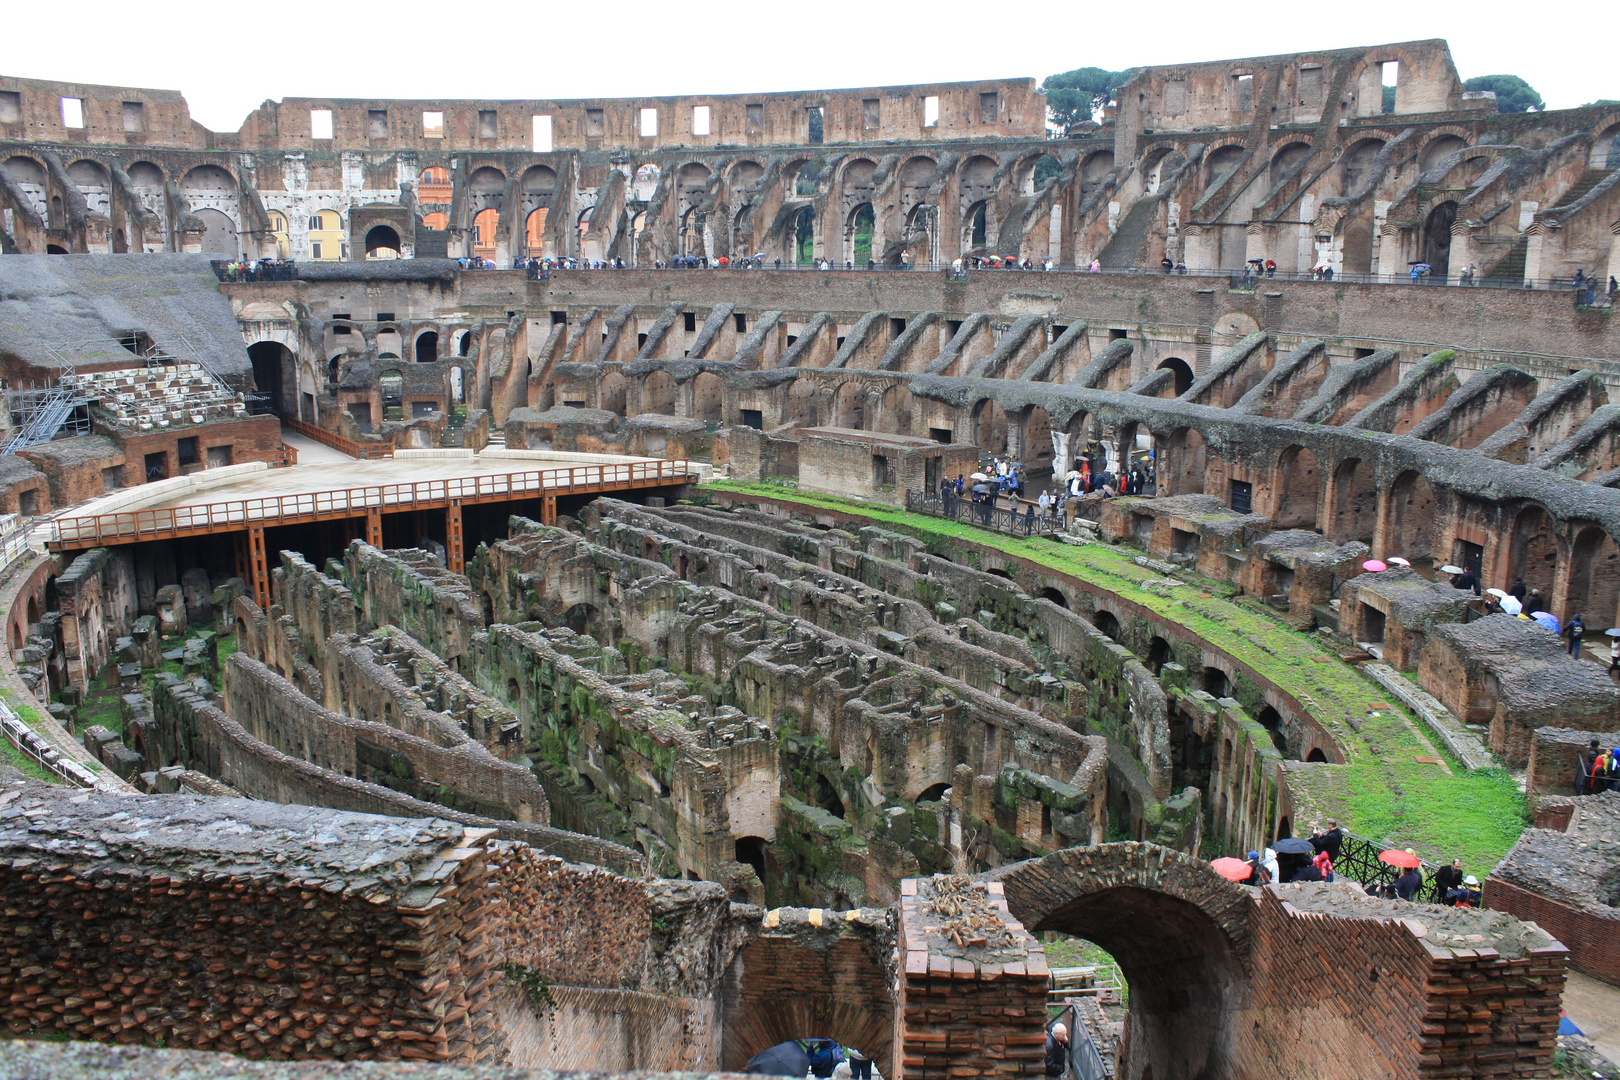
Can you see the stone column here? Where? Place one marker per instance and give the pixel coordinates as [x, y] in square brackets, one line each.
[1536, 237]
[1613, 270]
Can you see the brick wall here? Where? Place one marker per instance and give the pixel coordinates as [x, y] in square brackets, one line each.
[961, 1017]
[812, 972]
[259, 952]
[254, 434]
[1591, 932]
[1554, 758]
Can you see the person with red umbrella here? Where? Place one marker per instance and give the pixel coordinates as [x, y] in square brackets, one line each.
[1408, 884]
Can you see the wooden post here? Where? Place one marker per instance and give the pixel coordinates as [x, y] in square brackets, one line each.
[374, 527]
[548, 510]
[453, 542]
[261, 571]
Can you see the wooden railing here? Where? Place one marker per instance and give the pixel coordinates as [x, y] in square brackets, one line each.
[235, 514]
[368, 451]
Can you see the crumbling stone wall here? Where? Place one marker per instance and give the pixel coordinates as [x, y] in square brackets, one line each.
[96, 598]
[1515, 676]
[248, 927]
[465, 775]
[190, 730]
[1568, 882]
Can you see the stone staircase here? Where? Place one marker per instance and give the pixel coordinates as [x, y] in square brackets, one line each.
[1125, 248]
[1511, 268]
[432, 243]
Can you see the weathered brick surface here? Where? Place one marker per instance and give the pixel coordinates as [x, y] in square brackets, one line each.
[248, 927]
[1564, 880]
[1234, 981]
[966, 1012]
[813, 972]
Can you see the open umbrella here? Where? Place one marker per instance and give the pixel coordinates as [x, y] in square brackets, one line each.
[978, 476]
[1293, 846]
[1373, 565]
[1511, 605]
[1449, 569]
[1613, 631]
[1547, 619]
[783, 1059]
[1232, 869]
[1396, 560]
[1498, 593]
[1403, 859]
[981, 488]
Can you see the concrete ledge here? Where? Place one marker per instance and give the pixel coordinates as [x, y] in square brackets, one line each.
[467, 455]
[1450, 730]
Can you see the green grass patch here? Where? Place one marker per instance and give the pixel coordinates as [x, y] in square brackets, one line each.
[1382, 792]
[14, 757]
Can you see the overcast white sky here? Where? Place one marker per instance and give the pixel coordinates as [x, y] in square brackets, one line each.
[248, 52]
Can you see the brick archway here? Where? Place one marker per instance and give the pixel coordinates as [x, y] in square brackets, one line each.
[1179, 931]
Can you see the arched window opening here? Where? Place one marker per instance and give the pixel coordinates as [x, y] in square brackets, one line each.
[382, 242]
[804, 237]
[1271, 720]
[860, 224]
[427, 347]
[1159, 654]
[1216, 683]
[1183, 372]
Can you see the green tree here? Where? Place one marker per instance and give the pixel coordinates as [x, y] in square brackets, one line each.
[1389, 99]
[1073, 96]
[1513, 94]
[1601, 101]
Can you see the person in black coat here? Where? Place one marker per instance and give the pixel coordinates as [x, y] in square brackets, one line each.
[1057, 1050]
[1332, 840]
[1448, 877]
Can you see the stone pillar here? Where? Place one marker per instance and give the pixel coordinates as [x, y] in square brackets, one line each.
[958, 1013]
[1535, 244]
[1462, 249]
[1613, 270]
[1199, 247]
[1257, 241]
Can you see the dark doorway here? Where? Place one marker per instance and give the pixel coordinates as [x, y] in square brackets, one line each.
[1183, 372]
[382, 242]
[1271, 720]
[1437, 240]
[1216, 683]
[750, 851]
[1158, 654]
[269, 362]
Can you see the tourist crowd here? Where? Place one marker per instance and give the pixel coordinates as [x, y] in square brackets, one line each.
[999, 484]
[263, 270]
[1313, 859]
